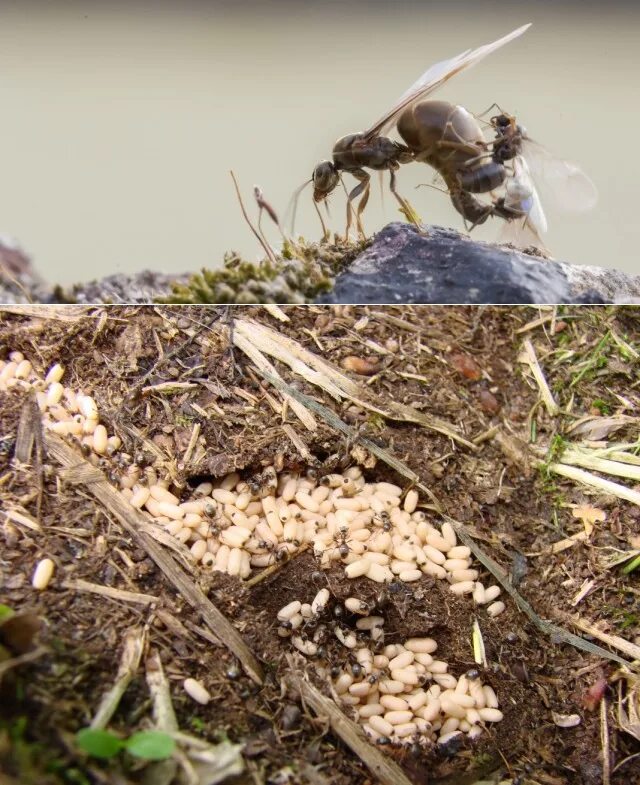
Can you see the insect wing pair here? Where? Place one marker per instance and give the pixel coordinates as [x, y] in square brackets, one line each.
[565, 187]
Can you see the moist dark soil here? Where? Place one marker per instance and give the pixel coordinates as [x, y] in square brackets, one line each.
[459, 364]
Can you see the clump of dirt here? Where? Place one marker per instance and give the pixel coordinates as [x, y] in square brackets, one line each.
[122, 355]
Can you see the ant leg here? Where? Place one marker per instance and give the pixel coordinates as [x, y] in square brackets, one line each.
[407, 210]
[361, 205]
[325, 232]
[363, 185]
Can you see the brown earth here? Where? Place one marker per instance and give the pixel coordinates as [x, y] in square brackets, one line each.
[459, 364]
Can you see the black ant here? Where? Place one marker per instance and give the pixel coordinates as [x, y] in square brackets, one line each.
[342, 542]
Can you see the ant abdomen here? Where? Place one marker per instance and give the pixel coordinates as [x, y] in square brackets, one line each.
[482, 179]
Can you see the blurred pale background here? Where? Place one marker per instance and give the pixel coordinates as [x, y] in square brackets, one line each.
[120, 122]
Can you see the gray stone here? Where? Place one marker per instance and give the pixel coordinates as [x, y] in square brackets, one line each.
[140, 287]
[443, 266]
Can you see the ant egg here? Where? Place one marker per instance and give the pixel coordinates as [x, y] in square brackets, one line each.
[320, 600]
[54, 374]
[289, 610]
[410, 501]
[42, 574]
[355, 605]
[197, 691]
[495, 609]
[492, 593]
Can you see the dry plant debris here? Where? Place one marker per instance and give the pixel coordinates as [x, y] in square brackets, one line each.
[179, 411]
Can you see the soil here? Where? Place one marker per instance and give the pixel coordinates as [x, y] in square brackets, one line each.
[459, 364]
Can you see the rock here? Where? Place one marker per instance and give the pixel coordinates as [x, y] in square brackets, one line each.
[404, 266]
[19, 281]
[140, 287]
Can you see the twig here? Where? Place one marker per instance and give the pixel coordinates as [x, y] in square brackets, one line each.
[23, 519]
[168, 387]
[22, 659]
[134, 642]
[273, 568]
[604, 742]
[615, 641]
[109, 591]
[195, 432]
[545, 392]
[277, 312]
[297, 442]
[386, 770]
[134, 522]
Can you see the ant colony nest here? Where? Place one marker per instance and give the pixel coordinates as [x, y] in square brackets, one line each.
[399, 692]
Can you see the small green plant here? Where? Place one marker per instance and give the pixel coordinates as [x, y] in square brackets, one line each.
[149, 745]
[632, 565]
[602, 406]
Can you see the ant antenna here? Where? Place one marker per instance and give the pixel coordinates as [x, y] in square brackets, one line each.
[293, 203]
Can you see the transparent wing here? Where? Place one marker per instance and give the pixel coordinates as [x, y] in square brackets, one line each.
[564, 185]
[521, 234]
[436, 76]
[521, 195]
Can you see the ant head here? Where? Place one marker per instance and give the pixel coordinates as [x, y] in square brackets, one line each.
[325, 177]
[503, 122]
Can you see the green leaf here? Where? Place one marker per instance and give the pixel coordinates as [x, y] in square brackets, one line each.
[5, 612]
[151, 745]
[99, 743]
[631, 566]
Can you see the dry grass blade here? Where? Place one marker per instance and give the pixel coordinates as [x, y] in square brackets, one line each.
[597, 428]
[28, 437]
[277, 312]
[107, 591]
[382, 767]
[133, 522]
[579, 475]
[247, 345]
[604, 743]
[322, 374]
[23, 519]
[60, 313]
[29, 426]
[629, 705]
[578, 456]
[545, 393]
[301, 361]
[164, 717]
[615, 641]
[134, 643]
[297, 442]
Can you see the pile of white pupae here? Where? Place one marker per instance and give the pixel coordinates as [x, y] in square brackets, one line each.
[233, 525]
[64, 411]
[399, 693]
